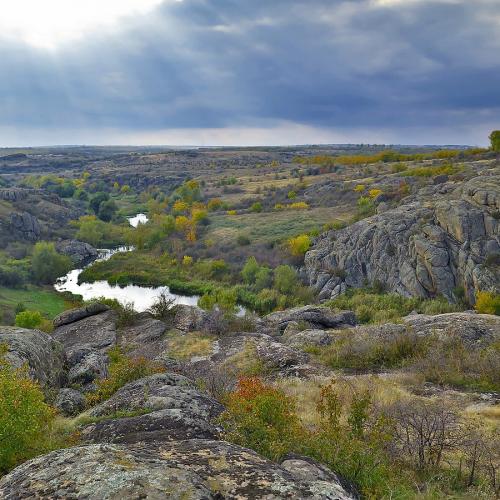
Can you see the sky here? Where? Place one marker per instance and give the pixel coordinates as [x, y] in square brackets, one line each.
[248, 72]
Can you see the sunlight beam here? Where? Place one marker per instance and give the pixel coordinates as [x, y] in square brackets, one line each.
[49, 23]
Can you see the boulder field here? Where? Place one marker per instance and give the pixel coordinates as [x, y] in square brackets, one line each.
[158, 437]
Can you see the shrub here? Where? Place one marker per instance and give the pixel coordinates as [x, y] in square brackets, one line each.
[256, 207]
[232, 212]
[122, 370]
[488, 303]
[29, 319]
[47, 265]
[357, 352]
[373, 307]
[25, 418]
[373, 193]
[299, 245]
[260, 417]
[285, 278]
[398, 167]
[451, 362]
[11, 277]
[298, 205]
[127, 315]
[163, 308]
[495, 140]
[187, 260]
[359, 188]
[250, 270]
[243, 240]
[365, 207]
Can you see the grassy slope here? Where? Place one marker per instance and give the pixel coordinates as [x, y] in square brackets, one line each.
[271, 226]
[48, 302]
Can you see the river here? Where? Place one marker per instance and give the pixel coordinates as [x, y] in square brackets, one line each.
[141, 296]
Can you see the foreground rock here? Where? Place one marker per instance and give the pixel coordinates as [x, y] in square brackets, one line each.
[169, 407]
[86, 334]
[422, 248]
[194, 469]
[43, 355]
[74, 315]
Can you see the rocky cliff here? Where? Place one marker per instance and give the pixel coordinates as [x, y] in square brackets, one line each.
[444, 239]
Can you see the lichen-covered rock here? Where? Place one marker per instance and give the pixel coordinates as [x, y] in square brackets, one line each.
[87, 334]
[475, 330]
[145, 338]
[43, 355]
[194, 469]
[237, 353]
[86, 366]
[74, 315]
[422, 248]
[324, 482]
[306, 337]
[79, 252]
[70, 402]
[169, 407]
[96, 330]
[314, 316]
[189, 318]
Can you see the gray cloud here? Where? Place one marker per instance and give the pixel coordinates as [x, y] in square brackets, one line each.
[348, 66]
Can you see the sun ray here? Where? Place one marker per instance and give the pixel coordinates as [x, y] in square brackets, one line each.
[50, 23]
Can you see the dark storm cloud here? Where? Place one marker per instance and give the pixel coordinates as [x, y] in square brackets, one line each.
[234, 63]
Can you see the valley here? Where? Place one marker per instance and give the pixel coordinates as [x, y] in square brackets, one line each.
[282, 322]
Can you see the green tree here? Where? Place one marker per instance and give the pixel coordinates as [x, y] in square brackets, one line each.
[47, 265]
[96, 200]
[263, 278]
[250, 270]
[25, 418]
[29, 319]
[285, 279]
[495, 140]
[107, 210]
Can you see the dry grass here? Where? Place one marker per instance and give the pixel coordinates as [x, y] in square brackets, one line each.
[190, 345]
[244, 363]
[384, 390]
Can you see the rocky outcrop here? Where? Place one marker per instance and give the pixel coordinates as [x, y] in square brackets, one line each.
[303, 338]
[70, 402]
[189, 318]
[324, 482]
[87, 334]
[79, 252]
[169, 407]
[314, 316]
[423, 248]
[237, 353]
[25, 226]
[473, 329]
[74, 315]
[37, 350]
[194, 469]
